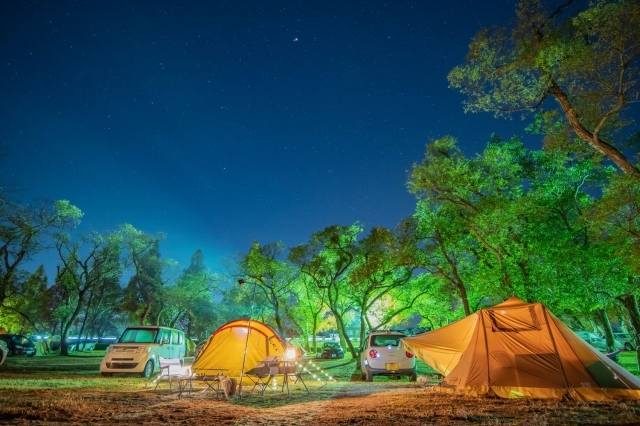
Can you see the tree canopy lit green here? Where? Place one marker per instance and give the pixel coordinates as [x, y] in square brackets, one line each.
[584, 56]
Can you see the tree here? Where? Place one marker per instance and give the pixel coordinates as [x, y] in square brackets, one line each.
[26, 308]
[615, 221]
[444, 249]
[385, 264]
[482, 200]
[190, 301]
[307, 310]
[145, 288]
[327, 260]
[587, 60]
[86, 264]
[24, 230]
[266, 268]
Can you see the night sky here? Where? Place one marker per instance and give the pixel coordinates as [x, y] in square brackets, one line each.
[224, 122]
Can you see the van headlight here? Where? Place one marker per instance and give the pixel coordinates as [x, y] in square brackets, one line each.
[142, 349]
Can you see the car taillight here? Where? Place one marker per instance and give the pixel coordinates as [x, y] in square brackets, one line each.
[409, 354]
[373, 353]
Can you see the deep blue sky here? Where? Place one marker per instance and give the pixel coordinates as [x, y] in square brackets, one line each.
[223, 122]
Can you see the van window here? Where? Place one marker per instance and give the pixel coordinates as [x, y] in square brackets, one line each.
[138, 335]
[164, 335]
[175, 337]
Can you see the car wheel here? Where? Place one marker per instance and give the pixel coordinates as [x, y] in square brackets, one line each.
[107, 374]
[10, 353]
[30, 355]
[148, 370]
[363, 376]
[413, 377]
[369, 376]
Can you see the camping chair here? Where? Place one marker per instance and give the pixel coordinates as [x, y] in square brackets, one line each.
[262, 373]
[169, 368]
[295, 372]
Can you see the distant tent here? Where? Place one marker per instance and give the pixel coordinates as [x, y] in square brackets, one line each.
[517, 349]
[225, 347]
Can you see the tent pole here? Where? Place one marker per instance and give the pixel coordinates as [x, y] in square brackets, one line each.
[246, 343]
[486, 345]
[553, 342]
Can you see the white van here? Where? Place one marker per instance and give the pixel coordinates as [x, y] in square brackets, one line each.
[139, 348]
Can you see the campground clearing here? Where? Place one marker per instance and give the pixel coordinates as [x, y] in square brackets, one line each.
[54, 390]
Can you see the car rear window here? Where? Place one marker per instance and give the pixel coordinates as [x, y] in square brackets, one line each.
[385, 340]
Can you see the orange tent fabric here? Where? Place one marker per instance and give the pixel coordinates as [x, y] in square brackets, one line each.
[226, 346]
[517, 349]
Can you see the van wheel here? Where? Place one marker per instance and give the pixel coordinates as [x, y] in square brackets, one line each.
[148, 370]
[413, 377]
[107, 374]
[369, 376]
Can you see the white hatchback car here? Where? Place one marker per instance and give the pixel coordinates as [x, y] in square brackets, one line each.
[382, 356]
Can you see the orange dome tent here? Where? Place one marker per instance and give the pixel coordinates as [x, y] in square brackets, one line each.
[225, 347]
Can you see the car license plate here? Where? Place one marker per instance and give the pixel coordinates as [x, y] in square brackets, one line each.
[393, 367]
[333, 355]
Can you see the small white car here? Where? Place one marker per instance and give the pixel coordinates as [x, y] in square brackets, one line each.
[140, 348]
[381, 355]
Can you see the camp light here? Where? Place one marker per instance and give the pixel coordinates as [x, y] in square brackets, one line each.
[291, 354]
[373, 353]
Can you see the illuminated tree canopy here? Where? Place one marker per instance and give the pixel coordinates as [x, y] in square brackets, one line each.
[587, 60]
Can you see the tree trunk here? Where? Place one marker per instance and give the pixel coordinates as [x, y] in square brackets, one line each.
[603, 319]
[592, 139]
[314, 330]
[84, 321]
[145, 313]
[64, 344]
[630, 302]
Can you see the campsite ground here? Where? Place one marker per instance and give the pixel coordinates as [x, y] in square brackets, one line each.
[47, 390]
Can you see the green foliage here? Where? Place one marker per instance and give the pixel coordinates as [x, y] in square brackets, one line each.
[587, 60]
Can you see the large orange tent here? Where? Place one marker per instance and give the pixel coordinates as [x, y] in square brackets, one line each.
[517, 349]
[225, 348]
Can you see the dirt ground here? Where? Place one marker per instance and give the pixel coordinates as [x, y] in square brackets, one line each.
[350, 404]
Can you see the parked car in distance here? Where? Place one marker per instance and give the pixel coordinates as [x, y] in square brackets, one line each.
[626, 340]
[18, 344]
[331, 350]
[4, 350]
[382, 356]
[597, 341]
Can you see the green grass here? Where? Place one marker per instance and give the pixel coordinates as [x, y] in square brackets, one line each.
[81, 370]
[628, 360]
